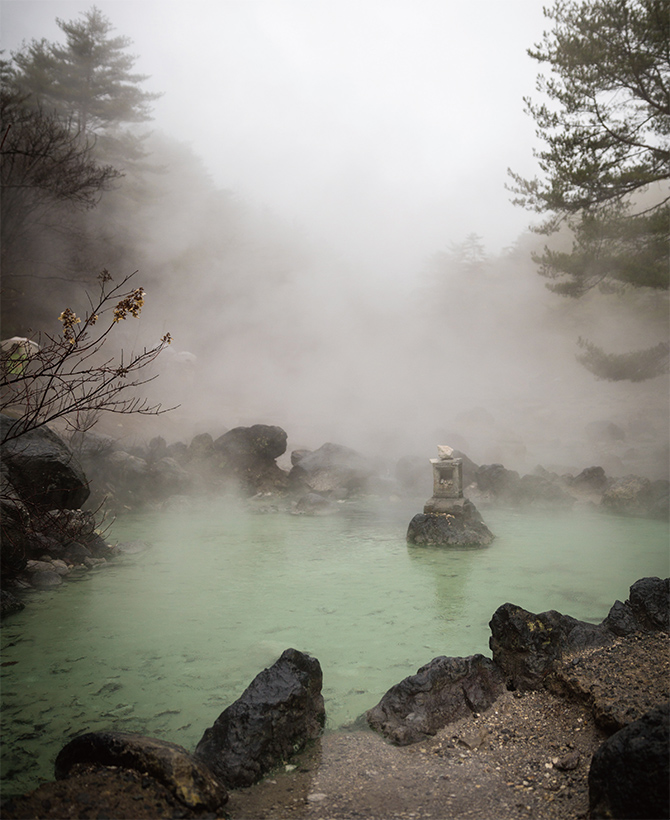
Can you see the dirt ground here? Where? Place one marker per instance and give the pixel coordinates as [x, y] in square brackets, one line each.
[528, 756]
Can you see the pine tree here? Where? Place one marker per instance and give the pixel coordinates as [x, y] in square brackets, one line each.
[89, 80]
[606, 155]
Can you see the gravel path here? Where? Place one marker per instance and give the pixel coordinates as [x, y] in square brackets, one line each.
[526, 757]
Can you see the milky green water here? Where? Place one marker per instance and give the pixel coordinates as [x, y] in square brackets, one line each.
[162, 642]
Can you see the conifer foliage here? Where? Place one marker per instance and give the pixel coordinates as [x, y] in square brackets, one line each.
[605, 128]
[89, 80]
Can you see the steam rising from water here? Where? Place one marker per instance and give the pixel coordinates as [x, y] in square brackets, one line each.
[335, 148]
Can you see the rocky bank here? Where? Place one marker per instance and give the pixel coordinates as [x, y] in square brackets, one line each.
[567, 720]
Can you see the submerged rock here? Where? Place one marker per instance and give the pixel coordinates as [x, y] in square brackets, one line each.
[462, 526]
[279, 712]
[188, 779]
[629, 776]
[442, 691]
[45, 579]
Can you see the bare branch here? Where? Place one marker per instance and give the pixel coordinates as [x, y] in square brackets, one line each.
[64, 377]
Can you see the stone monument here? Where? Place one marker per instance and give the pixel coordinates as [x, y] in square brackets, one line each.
[448, 519]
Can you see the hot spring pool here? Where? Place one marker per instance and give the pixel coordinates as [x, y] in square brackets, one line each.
[161, 642]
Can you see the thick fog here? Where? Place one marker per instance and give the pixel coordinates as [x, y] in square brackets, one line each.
[331, 245]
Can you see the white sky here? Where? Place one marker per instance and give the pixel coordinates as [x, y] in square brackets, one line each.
[384, 126]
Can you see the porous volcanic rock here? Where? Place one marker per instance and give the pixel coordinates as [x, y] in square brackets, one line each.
[526, 645]
[247, 455]
[99, 792]
[496, 480]
[42, 468]
[189, 780]
[279, 712]
[333, 469]
[619, 682]
[629, 776]
[9, 603]
[462, 526]
[539, 489]
[636, 496]
[647, 608]
[259, 440]
[441, 692]
[15, 520]
[591, 479]
[529, 646]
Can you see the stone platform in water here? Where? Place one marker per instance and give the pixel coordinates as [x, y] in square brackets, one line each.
[452, 523]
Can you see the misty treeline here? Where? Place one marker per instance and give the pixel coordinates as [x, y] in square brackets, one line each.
[265, 321]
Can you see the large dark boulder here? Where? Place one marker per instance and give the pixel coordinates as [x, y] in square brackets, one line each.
[469, 467]
[629, 776]
[526, 646]
[188, 779]
[442, 691]
[636, 496]
[45, 579]
[201, 447]
[168, 477]
[247, 456]
[42, 468]
[538, 489]
[279, 712]
[333, 469]
[647, 608]
[14, 527]
[9, 603]
[496, 480]
[461, 527]
[258, 441]
[591, 479]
